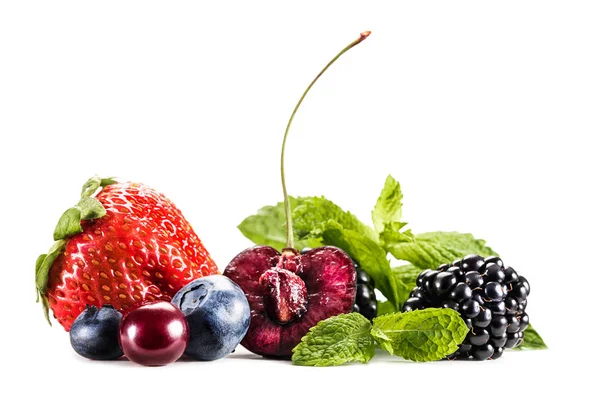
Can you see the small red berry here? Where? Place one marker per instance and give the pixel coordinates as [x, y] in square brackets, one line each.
[154, 334]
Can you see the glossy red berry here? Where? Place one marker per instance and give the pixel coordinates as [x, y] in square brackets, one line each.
[154, 334]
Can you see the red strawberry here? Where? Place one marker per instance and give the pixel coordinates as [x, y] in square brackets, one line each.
[126, 245]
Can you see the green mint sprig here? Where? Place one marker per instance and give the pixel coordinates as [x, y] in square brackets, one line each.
[424, 335]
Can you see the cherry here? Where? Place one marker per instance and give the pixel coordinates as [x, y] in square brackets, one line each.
[289, 292]
[154, 333]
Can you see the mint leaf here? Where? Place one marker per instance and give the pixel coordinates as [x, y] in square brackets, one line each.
[391, 236]
[406, 280]
[314, 213]
[267, 226]
[422, 335]
[90, 208]
[430, 250]
[389, 204]
[385, 307]
[69, 224]
[337, 340]
[369, 255]
[531, 340]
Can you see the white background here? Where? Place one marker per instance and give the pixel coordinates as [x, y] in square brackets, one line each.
[485, 112]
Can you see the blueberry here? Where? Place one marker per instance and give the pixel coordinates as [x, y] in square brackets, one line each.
[218, 316]
[95, 333]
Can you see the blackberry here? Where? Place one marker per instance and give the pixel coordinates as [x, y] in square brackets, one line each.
[365, 302]
[490, 297]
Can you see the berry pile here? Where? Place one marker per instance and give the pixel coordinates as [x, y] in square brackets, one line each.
[490, 298]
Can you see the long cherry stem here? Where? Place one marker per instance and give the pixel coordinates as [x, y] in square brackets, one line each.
[288, 208]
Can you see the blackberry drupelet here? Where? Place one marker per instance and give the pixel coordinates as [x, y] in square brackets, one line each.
[490, 297]
[366, 300]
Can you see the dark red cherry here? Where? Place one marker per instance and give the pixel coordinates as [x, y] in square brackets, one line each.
[289, 293]
[154, 334]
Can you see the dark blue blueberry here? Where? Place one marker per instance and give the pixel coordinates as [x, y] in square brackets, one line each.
[218, 316]
[95, 333]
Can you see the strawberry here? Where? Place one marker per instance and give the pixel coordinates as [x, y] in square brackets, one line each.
[128, 244]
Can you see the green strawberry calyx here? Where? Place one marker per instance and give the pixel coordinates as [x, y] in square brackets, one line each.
[68, 225]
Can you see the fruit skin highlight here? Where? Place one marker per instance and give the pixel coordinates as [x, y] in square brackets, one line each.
[142, 249]
[490, 297]
[289, 292]
[218, 316]
[154, 334]
[95, 333]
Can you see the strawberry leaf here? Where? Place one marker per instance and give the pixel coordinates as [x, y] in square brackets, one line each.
[42, 268]
[90, 187]
[90, 208]
[69, 224]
